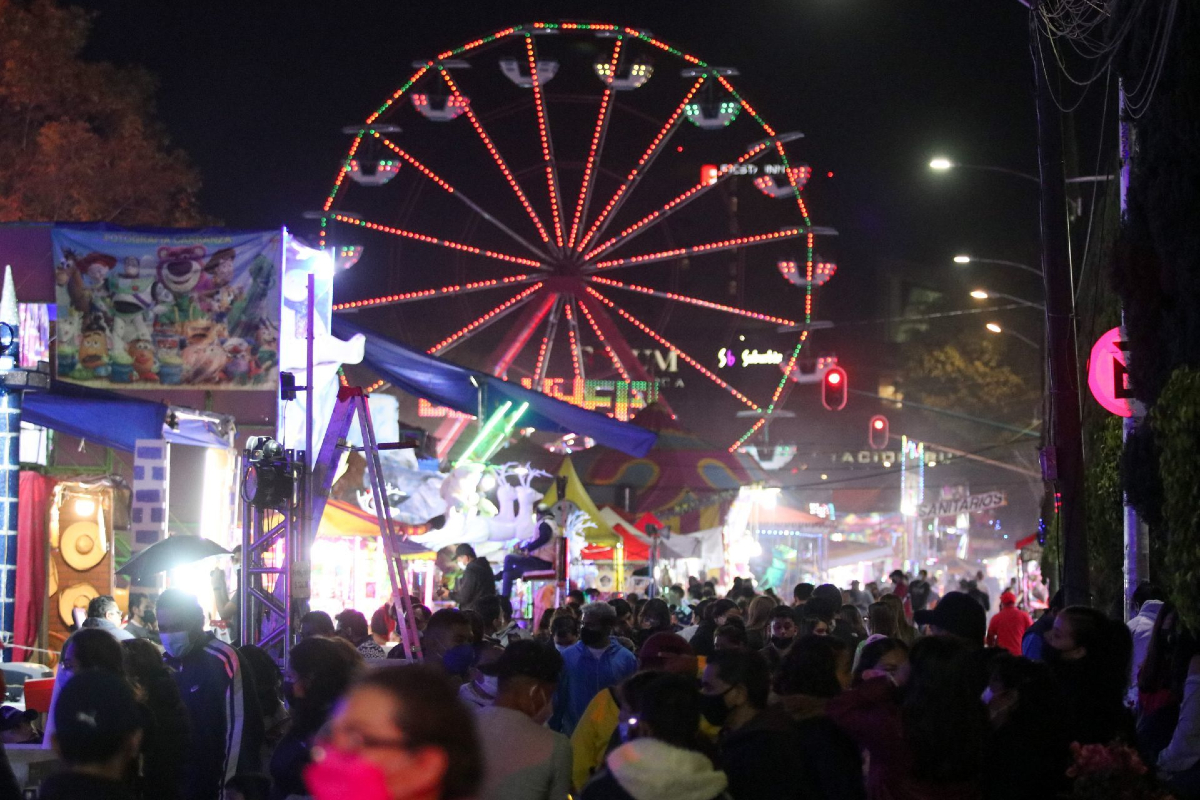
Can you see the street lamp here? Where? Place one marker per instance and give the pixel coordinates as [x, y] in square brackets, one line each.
[943, 164]
[962, 258]
[995, 328]
[981, 294]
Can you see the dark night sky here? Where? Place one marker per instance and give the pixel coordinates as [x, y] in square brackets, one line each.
[257, 92]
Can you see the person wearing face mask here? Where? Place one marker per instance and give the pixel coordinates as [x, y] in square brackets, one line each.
[522, 758]
[755, 739]
[591, 665]
[219, 695]
[448, 643]
[318, 672]
[598, 731]
[663, 758]
[716, 615]
[399, 734]
[655, 618]
[1089, 654]
[142, 624]
[564, 632]
[87, 649]
[782, 629]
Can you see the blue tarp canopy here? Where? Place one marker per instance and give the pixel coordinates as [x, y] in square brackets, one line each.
[102, 417]
[460, 388]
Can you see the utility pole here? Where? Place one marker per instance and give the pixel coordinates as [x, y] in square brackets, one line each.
[1063, 459]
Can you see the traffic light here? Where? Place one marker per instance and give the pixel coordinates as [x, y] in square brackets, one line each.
[877, 432]
[833, 389]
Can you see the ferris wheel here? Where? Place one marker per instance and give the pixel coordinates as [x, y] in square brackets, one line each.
[514, 184]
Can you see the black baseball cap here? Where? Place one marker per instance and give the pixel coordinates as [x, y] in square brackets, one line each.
[957, 614]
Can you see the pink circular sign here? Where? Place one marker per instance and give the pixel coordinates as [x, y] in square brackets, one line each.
[1108, 375]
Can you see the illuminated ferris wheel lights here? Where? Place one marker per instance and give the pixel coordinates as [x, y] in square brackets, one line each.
[362, 174]
[547, 68]
[635, 77]
[796, 178]
[712, 116]
[440, 108]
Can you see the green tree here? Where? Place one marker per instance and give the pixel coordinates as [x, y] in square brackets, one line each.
[79, 140]
[967, 374]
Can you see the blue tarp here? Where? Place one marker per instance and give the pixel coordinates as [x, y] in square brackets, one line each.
[102, 417]
[450, 385]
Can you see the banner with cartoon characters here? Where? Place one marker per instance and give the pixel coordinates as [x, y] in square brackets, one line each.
[150, 309]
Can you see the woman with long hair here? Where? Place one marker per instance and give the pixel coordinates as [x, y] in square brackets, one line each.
[905, 631]
[1090, 656]
[167, 729]
[318, 673]
[758, 617]
[882, 620]
[925, 738]
[1027, 725]
[881, 657]
[850, 625]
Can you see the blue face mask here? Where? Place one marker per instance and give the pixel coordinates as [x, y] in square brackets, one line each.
[457, 660]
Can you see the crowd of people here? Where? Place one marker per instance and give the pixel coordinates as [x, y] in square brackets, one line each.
[891, 693]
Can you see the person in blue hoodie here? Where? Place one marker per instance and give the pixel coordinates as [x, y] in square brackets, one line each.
[590, 666]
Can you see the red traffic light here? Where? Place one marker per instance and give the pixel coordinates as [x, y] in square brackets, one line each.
[877, 433]
[833, 389]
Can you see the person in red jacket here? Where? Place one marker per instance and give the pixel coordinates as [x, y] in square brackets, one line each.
[1008, 627]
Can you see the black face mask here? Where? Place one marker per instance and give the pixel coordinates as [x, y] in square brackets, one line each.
[148, 616]
[713, 707]
[782, 642]
[593, 637]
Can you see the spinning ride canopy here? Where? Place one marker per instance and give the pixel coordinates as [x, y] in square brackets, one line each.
[517, 179]
[685, 481]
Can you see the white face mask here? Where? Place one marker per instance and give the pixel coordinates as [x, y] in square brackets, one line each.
[177, 644]
[562, 648]
[489, 685]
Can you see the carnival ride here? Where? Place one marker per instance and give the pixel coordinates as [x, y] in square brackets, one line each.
[505, 185]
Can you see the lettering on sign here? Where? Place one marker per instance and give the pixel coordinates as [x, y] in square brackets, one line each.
[754, 169]
[972, 504]
[750, 358]
[1108, 374]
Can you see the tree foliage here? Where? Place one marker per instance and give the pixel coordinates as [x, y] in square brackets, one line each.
[78, 139]
[1175, 420]
[967, 374]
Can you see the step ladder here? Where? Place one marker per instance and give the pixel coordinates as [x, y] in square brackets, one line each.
[351, 403]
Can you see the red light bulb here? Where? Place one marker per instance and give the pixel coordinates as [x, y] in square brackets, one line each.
[834, 378]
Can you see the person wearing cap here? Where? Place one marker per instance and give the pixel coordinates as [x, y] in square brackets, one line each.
[16, 726]
[476, 580]
[1008, 626]
[958, 615]
[593, 736]
[98, 735]
[523, 759]
[591, 665]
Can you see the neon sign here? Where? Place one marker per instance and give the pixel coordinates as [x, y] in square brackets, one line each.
[618, 399]
[750, 358]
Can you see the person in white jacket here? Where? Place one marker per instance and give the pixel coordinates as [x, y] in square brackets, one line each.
[1145, 601]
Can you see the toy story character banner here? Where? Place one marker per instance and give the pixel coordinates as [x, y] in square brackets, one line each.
[155, 309]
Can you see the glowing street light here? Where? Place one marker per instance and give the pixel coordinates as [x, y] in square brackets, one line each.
[965, 259]
[994, 328]
[962, 259]
[979, 294]
[941, 164]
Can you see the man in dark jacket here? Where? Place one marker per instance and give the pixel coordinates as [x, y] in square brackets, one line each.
[476, 580]
[755, 740]
[104, 613]
[219, 693]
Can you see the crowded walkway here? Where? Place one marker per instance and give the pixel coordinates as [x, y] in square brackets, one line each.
[839, 693]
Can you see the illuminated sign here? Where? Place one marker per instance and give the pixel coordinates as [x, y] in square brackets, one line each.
[972, 504]
[823, 510]
[618, 399]
[750, 358]
[650, 358]
[754, 169]
[428, 410]
[1108, 374]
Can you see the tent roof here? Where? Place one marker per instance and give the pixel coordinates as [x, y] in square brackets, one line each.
[462, 389]
[99, 416]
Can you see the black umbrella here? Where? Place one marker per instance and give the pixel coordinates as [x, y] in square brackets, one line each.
[171, 552]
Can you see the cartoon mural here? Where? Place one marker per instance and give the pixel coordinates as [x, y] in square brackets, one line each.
[148, 309]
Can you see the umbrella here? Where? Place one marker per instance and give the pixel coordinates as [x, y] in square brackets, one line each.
[171, 552]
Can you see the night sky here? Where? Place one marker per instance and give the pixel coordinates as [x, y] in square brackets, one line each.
[257, 94]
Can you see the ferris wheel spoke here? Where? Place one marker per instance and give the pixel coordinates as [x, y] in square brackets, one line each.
[519, 334]
[468, 202]
[695, 192]
[434, 240]
[547, 345]
[479, 323]
[543, 121]
[609, 348]
[643, 165]
[575, 341]
[596, 149]
[695, 301]
[430, 294]
[495, 154]
[646, 329]
[710, 247]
